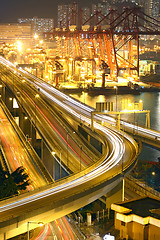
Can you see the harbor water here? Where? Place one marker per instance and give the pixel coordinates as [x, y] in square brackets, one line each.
[151, 101]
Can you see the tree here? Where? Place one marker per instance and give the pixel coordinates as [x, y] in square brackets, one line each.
[11, 184]
[20, 178]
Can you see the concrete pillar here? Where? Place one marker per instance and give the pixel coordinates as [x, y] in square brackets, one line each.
[33, 136]
[8, 99]
[108, 213]
[115, 195]
[97, 216]
[4, 236]
[42, 149]
[48, 160]
[21, 120]
[89, 219]
[103, 214]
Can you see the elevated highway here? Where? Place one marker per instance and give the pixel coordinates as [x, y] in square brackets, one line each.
[149, 136]
[17, 152]
[97, 176]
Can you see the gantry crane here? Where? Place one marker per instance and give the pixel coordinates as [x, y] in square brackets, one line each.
[113, 39]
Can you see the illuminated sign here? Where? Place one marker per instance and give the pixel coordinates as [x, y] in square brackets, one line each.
[108, 237]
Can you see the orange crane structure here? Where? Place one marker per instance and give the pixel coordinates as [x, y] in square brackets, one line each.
[112, 39]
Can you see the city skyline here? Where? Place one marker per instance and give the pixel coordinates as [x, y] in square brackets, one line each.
[10, 11]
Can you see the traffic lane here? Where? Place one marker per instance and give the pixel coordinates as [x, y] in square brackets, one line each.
[55, 196]
[16, 153]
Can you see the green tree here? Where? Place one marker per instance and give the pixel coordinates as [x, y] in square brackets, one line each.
[20, 178]
[11, 184]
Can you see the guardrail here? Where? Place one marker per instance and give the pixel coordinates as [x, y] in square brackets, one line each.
[140, 188]
[26, 144]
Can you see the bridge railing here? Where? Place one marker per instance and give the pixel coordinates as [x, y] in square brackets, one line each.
[140, 188]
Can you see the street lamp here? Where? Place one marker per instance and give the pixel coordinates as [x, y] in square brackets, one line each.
[60, 170]
[36, 96]
[53, 154]
[80, 157]
[67, 152]
[115, 87]
[23, 81]
[39, 223]
[60, 161]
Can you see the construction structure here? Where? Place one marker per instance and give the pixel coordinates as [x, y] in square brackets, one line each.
[111, 42]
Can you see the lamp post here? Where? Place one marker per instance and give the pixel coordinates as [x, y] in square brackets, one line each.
[53, 167]
[36, 96]
[23, 81]
[60, 170]
[153, 179]
[80, 157]
[123, 181]
[60, 162]
[39, 223]
[115, 87]
[67, 152]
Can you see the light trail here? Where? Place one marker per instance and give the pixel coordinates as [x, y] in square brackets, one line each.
[81, 106]
[47, 229]
[86, 109]
[88, 176]
[16, 153]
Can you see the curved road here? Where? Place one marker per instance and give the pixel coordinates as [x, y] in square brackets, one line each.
[81, 188]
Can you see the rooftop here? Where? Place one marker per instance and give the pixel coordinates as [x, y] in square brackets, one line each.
[143, 207]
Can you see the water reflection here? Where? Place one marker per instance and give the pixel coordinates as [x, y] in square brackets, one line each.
[151, 101]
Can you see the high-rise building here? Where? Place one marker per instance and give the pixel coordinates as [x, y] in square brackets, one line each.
[102, 8]
[67, 15]
[150, 7]
[39, 25]
[85, 15]
[62, 16]
[155, 8]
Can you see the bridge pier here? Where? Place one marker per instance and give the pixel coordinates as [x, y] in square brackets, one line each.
[115, 195]
[25, 124]
[28, 128]
[96, 143]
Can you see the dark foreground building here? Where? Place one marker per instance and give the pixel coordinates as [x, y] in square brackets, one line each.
[138, 219]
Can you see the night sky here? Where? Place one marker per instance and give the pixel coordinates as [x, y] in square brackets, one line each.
[11, 10]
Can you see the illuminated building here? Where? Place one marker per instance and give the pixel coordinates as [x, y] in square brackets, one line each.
[10, 32]
[39, 25]
[103, 8]
[150, 7]
[138, 219]
[155, 8]
[67, 15]
[62, 15]
[85, 14]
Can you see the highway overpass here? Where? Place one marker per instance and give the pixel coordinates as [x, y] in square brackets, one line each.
[98, 176]
[17, 152]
